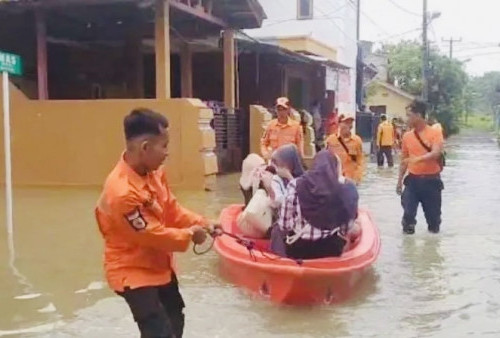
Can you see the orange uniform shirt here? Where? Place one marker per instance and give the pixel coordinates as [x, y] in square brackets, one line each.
[142, 225]
[411, 147]
[353, 160]
[278, 134]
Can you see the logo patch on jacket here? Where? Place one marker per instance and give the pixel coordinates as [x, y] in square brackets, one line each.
[136, 220]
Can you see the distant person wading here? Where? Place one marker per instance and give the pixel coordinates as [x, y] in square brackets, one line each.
[385, 142]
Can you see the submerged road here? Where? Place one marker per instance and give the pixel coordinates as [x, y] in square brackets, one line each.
[425, 285]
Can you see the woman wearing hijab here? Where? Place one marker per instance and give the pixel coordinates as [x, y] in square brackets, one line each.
[318, 212]
[288, 164]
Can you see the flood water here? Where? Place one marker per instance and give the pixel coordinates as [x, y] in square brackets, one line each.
[422, 286]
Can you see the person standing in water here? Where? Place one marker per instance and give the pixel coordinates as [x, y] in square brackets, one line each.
[281, 131]
[385, 142]
[143, 225]
[421, 155]
[349, 148]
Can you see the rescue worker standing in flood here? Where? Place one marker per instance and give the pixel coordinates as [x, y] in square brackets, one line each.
[385, 142]
[143, 225]
[282, 130]
[349, 148]
[421, 154]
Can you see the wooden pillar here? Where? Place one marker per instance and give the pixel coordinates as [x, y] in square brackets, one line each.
[133, 58]
[41, 54]
[162, 49]
[229, 69]
[186, 71]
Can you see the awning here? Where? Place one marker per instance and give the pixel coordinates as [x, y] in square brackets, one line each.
[327, 62]
[248, 43]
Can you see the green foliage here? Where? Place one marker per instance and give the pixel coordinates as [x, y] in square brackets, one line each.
[447, 80]
[405, 65]
[484, 92]
[481, 122]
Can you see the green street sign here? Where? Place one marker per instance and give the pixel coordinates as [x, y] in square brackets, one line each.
[11, 63]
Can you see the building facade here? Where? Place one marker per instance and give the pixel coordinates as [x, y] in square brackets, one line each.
[88, 63]
[323, 30]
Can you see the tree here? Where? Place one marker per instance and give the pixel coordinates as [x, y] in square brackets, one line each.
[447, 80]
[485, 93]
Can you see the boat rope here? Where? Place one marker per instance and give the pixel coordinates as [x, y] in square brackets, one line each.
[247, 243]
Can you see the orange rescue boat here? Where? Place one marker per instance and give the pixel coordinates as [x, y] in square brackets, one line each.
[288, 281]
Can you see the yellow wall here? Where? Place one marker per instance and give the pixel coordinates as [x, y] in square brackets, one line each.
[259, 119]
[79, 142]
[396, 103]
[307, 44]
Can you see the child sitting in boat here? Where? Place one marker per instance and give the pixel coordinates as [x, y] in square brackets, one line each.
[288, 164]
[318, 212]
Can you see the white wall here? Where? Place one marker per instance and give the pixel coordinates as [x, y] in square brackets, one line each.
[333, 23]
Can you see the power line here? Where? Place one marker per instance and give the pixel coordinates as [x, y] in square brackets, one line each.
[399, 34]
[459, 50]
[476, 55]
[404, 9]
[369, 18]
[336, 25]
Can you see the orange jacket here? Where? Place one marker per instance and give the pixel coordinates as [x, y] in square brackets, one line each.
[142, 225]
[353, 160]
[278, 134]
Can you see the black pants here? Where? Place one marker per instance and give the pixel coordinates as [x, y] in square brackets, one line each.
[326, 247]
[387, 151]
[426, 190]
[157, 310]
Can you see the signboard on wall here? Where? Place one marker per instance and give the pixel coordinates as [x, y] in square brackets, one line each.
[344, 92]
[331, 79]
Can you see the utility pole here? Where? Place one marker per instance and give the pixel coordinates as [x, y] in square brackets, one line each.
[358, 19]
[452, 41]
[425, 54]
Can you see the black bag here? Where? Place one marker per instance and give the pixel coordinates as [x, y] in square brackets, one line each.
[442, 158]
[353, 157]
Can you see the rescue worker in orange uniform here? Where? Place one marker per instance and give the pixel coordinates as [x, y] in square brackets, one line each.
[420, 171]
[349, 148]
[143, 225]
[332, 123]
[281, 131]
[385, 142]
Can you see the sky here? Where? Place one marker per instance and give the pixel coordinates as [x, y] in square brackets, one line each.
[476, 23]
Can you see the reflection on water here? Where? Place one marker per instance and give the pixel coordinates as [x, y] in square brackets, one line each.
[425, 285]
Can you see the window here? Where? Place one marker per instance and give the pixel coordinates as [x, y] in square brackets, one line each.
[304, 9]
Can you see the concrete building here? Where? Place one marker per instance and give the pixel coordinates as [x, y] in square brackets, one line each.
[87, 63]
[322, 30]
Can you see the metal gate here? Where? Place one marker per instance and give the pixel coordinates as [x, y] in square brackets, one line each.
[229, 136]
